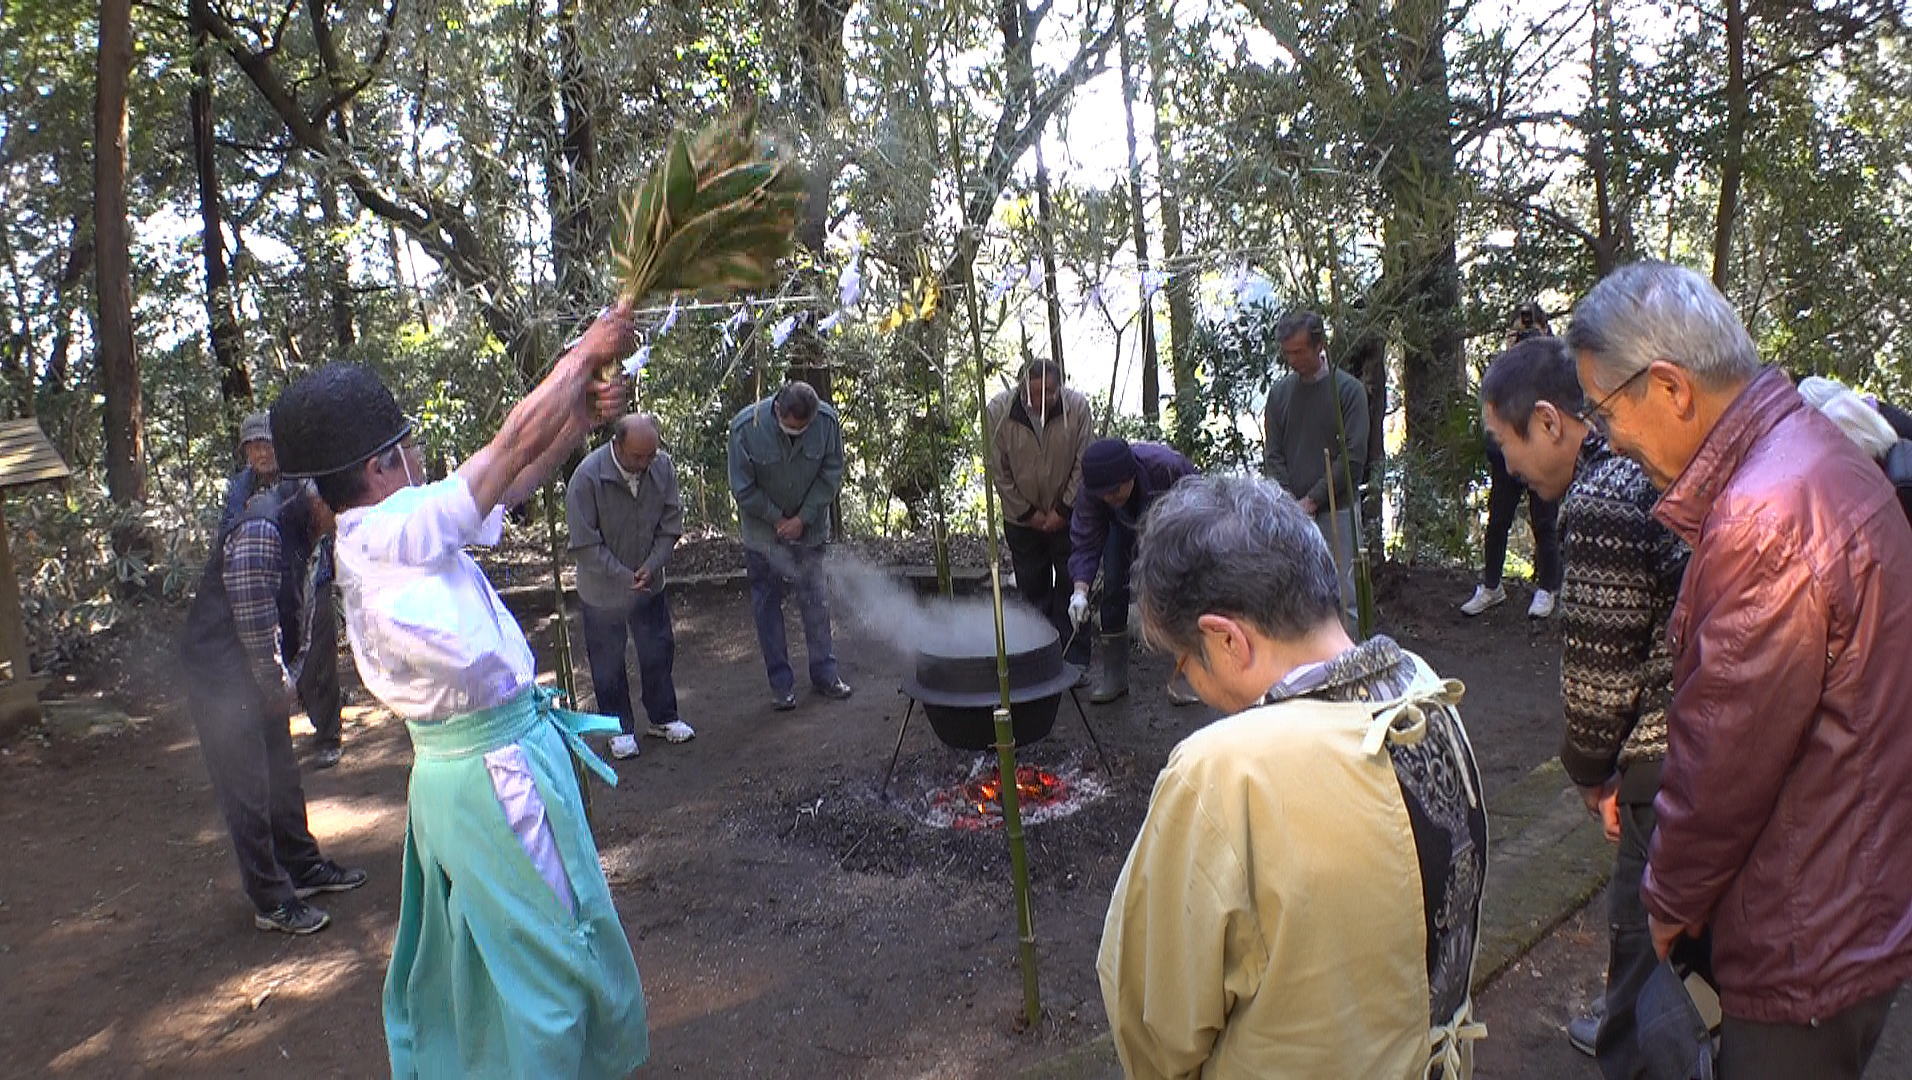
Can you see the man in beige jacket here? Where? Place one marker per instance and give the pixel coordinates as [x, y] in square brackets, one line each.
[1304, 897]
[1038, 431]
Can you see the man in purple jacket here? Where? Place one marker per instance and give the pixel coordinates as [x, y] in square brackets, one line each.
[1121, 481]
[1784, 805]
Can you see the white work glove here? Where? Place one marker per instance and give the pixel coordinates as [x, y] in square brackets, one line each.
[1079, 609]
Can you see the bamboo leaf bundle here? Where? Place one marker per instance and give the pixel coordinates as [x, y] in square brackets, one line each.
[715, 215]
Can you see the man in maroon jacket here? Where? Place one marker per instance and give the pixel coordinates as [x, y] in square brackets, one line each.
[1784, 805]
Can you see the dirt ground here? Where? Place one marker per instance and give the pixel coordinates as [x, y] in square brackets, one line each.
[1526, 1010]
[787, 920]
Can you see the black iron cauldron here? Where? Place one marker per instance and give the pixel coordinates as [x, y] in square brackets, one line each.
[957, 686]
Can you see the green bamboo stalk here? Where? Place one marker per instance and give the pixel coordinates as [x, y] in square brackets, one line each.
[1005, 730]
[1364, 611]
[562, 636]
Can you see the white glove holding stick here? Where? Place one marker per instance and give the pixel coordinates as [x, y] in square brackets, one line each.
[1079, 608]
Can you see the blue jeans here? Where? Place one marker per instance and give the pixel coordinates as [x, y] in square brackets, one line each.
[649, 624]
[1118, 551]
[789, 564]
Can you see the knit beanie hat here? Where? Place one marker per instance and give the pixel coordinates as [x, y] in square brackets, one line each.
[334, 418]
[1106, 464]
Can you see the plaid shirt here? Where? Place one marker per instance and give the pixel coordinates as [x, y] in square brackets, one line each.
[254, 563]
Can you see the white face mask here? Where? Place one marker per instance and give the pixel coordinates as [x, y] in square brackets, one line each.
[790, 431]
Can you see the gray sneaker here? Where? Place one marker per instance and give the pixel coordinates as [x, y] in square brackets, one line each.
[1582, 1031]
[293, 917]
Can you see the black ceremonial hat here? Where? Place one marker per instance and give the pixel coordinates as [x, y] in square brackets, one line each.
[334, 418]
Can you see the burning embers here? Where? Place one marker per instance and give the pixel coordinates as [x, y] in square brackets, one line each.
[975, 802]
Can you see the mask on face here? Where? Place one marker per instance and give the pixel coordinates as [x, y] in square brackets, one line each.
[788, 430]
[405, 459]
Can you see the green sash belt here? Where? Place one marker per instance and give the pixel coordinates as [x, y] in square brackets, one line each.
[484, 730]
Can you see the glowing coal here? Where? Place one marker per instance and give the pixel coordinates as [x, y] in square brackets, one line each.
[975, 802]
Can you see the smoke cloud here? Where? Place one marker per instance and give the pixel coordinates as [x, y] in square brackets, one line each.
[891, 614]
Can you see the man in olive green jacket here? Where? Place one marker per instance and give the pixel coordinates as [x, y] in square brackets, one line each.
[1038, 431]
[786, 466]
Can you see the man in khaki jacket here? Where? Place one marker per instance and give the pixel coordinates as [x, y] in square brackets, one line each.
[1038, 431]
[1303, 899]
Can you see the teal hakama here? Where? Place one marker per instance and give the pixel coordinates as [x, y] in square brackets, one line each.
[491, 976]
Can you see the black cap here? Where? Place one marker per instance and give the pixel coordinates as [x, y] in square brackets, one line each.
[334, 418]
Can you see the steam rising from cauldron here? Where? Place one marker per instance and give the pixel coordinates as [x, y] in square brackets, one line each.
[893, 615]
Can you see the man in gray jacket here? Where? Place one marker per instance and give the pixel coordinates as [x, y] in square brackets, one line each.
[625, 514]
[786, 466]
[1038, 432]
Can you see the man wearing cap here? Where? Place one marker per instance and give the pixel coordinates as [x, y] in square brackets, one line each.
[1038, 432]
[786, 466]
[509, 956]
[244, 637]
[1121, 481]
[260, 472]
[624, 514]
[318, 681]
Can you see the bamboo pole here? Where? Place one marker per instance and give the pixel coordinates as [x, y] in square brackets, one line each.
[562, 635]
[1005, 730]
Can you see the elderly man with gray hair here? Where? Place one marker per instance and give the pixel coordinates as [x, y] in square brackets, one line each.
[1260, 927]
[1783, 806]
[625, 513]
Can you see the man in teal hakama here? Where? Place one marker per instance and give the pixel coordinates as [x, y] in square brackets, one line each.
[510, 960]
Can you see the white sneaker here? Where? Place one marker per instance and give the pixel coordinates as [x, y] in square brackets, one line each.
[675, 731]
[623, 746]
[1484, 598]
[1542, 606]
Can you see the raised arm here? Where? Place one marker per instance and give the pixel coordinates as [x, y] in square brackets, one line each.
[559, 408]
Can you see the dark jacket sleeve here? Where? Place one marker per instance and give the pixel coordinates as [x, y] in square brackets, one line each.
[1763, 627]
[1344, 467]
[238, 490]
[1088, 532]
[829, 478]
[1274, 460]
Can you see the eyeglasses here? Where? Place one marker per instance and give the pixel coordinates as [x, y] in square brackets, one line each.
[1595, 415]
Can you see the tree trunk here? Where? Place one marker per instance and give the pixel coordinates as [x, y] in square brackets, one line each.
[576, 233]
[1181, 306]
[1422, 266]
[222, 324]
[1051, 297]
[1046, 227]
[1733, 154]
[1151, 376]
[118, 365]
[820, 83]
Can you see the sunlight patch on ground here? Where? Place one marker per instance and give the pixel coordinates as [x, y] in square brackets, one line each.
[707, 994]
[221, 1015]
[85, 1052]
[339, 817]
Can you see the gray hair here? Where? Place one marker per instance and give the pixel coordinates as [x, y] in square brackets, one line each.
[796, 401]
[1235, 546]
[1851, 414]
[1651, 311]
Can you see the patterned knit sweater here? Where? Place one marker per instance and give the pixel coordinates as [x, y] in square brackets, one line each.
[1623, 573]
